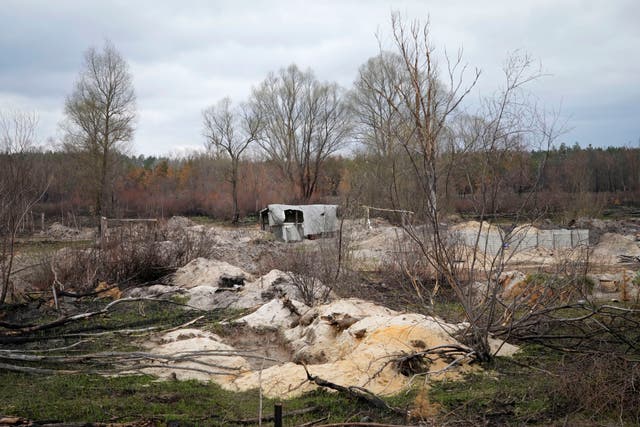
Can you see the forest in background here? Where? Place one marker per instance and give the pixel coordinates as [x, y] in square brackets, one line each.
[575, 182]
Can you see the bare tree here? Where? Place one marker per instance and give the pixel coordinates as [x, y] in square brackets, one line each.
[305, 121]
[437, 134]
[377, 104]
[100, 115]
[429, 98]
[507, 125]
[378, 118]
[20, 186]
[229, 131]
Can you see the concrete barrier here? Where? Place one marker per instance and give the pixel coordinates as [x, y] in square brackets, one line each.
[524, 239]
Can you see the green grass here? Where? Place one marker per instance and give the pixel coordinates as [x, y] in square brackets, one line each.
[90, 398]
[540, 387]
[555, 281]
[206, 220]
[501, 396]
[130, 315]
[76, 398]
[46, 247]
[636, 279]
[449, 310]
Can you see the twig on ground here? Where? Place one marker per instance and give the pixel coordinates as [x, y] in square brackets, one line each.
[354, 391]
[314, 422]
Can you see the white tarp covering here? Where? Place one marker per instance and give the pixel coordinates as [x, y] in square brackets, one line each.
[316, 219]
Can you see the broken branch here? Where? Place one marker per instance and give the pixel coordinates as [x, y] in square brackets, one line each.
[354, 391]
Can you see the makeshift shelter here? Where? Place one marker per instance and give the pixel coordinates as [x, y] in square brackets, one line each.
[292, 223]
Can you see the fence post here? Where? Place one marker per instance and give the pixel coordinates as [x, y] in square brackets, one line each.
[103, 230]
[277, 415]
[367, 220]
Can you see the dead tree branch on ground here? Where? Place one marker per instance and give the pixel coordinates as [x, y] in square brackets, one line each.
[356, 392]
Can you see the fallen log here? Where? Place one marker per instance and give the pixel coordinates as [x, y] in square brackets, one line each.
[17, 330]
[360, 393]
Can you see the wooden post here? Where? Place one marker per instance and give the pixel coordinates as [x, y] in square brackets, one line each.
[277, 415]
[42, 221]
[103, 230]
[55, 296]
[367, 220]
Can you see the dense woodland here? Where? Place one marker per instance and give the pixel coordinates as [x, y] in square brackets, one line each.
[576, 181]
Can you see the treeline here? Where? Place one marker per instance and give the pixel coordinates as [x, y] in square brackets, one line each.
[593, 170]
[197, 184]
[574, 181]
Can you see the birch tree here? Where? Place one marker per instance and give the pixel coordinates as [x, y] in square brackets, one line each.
[100, 115]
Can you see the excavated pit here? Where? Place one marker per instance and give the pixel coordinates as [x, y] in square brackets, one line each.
[268, 344]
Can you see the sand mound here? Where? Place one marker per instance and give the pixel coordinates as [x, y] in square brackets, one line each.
[475, 226]
[197, 355]
[350, 342]
[276, 314]
[361, 354]
[213, 284]
[210, 272]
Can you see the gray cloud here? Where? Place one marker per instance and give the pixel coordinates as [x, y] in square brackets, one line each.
[186, 55]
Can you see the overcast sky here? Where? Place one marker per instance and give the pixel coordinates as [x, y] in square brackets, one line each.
[185, 55]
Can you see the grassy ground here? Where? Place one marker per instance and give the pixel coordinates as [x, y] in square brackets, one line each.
[249, 221]
[47, 247]
[539, 388]
[505, 394]
[544, 387]
[66, 398]
[90, 398]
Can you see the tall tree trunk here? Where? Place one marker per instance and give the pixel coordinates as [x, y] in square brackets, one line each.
[234, 190]
[6, 272]
[103, 185]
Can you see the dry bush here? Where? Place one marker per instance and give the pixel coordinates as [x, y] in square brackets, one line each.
[409, 273]
[312, 271]
[319, 267]
[394, 286]
[137, 255]
[599, 386]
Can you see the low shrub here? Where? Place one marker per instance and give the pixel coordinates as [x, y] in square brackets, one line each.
[125, 258]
